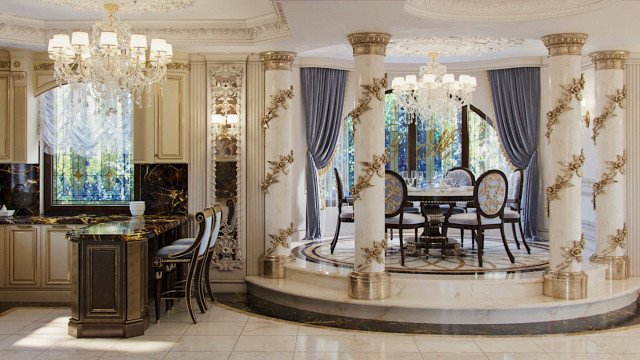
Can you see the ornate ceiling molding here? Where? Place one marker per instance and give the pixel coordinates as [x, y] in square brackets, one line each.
[37, 32]
[127, 6]
[499, 10]
[450, 45]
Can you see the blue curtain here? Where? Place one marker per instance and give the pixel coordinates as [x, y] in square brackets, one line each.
[516, 100]
[323, 98]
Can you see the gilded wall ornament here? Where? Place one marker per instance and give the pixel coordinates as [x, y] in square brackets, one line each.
[619, 239]
[609, 176]
[227, 255]
[278, 100]
[375, 253]
[277, 60]
[179, 66]
[609, 111]
[571, 254]
[562, 104]
[281, 239]
[569, 169]
[376, 89]
[5, 65]
[370, 168]
[275, 169]
[587, 119]
[43, 67]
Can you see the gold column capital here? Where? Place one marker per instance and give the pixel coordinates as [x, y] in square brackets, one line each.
[369, 43]
[609, 59]
[564, 43]
[277, 60]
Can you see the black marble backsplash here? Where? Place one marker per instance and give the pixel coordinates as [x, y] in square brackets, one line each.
[20, 188]
[164, 188]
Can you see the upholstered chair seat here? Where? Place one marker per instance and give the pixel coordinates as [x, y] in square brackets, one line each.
[184, 241]
[346, 215]
[170, 250]
[408, 219]
[471, 219]
[511, 214]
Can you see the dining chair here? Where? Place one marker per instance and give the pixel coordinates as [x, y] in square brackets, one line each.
[193, 255]
[395, 197]
[513, 210]
[460, 176]
[490, 196]
[343, 215]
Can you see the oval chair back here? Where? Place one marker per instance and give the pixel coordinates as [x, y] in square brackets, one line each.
[460, 176]
[395, 193]
[515, 188]
[339, 190]
[490, 194]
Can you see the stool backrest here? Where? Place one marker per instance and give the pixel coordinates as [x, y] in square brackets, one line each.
[217, 209]
[395, 193]
[206, 220]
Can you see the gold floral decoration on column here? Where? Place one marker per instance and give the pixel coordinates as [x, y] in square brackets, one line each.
[375, 253]
[278, 100]
[281, 239]
[609, 111]
[571, 254]
[562, 104]
[370, 168]
[569, 169]
[617, 240]
[276, 168]
[376, 89]
[609, 177]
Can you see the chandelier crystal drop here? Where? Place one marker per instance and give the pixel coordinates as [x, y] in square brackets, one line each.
[435, 94]
[111, 64]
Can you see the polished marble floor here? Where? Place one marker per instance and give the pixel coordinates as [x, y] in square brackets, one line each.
[225, 333]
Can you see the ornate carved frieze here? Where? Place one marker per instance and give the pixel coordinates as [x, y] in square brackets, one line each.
[563, 180]
[376, 89]
[179, 66]
[617, 240]
[369, 43]
[571, 254]
[370, 168]
[451, 45]
[280, 239]
[375, 253]
[275, 169]
[614, 168]
[5, 65]
[562, 104]
[43, 67]
[612, 59]
[277, 60]
[227, 255]
[564, 43]
[616, 100]
[278, 100]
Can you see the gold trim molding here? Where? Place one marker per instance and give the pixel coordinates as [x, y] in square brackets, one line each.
[277, 60]
[276, 168]
[617, 266]
[608, 111]
[571, 254]
[179, 66]
[277, 100]
[565, 43]
[619, 239]
[562, 104]
[569, 169]
[376, 89]
[272, 266]
[610, 59]
[375, 253]
[43, 67]
[280, 239]
[609, 177]
[370, 168]
[369, 43]
[369, 286]
[564, 285]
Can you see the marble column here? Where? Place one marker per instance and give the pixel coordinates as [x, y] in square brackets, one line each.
[609, 190]
[565, 278]
[369, 280]
[279, 157]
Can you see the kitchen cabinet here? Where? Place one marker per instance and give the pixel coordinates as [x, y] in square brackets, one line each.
[23, 253]
[56, 256]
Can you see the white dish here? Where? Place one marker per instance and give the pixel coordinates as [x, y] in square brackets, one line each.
[7, 213]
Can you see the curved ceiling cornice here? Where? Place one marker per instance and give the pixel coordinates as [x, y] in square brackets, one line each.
[450, 45]
[499, 10]
[253, 31]
[126, 6]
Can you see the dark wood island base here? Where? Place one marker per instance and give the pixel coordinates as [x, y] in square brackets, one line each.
[110, 274]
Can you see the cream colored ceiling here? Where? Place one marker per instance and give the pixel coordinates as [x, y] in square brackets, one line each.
[319, 28]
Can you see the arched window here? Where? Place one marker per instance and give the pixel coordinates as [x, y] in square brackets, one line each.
[88, 152]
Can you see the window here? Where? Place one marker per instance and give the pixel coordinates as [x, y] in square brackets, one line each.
[485, 149]
[88, 152]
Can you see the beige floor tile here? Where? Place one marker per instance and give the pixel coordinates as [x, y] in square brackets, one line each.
[269, 328]
[326, 343]
[71, 343]
[112, 355]
[145, 344]
[44, 328]
[205, 343]
[627, 356]
[518, 356]
[168, 328]
[216, 328]
[385, 344]
[389, 356]
[199, 355]
[18, 355]
[261, 343]
[507, 345]
[218, 314]
[25, 314]
[9, 327]
[454, 356]
[598, 356]
[568, 344]
[324, 356]
[619, 344]
[250, 355]
[69, 355]
[30, 342]
[431, 344]
[317, 330]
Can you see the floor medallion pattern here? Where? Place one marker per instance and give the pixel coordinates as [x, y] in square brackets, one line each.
[494, 258]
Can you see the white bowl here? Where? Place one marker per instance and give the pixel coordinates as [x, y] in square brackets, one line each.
[137, 208]
[7, 212]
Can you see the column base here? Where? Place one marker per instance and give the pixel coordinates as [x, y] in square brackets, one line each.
[617, 266]
[369, 286]
[564, 285]
[272, 266]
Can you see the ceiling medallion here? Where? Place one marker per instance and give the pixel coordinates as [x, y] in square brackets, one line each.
[499, 10]
[127, 6]
[451, 45]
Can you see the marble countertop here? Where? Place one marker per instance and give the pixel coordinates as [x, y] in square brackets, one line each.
[61, 220]
[130, 229]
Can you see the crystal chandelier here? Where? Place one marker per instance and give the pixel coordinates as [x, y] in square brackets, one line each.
[435, 94]
[114, 64]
